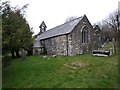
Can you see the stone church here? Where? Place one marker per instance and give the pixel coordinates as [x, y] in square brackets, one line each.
[71, 38]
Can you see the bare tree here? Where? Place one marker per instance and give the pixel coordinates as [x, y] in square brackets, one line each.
[111, 23]
[112, 20]
[109, 26]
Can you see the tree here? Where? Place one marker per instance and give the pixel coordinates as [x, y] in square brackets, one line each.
[109, 26]
[111, 23]
[16, 31]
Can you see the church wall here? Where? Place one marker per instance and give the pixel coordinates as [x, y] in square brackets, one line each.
[56, 45]
[75, 45]
[37, 50]
[71, 44]
[98, 38]
[91, 36]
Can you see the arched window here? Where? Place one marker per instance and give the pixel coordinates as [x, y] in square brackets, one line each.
[85, 35]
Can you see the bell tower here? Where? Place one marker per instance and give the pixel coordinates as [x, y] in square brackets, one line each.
[42, 27]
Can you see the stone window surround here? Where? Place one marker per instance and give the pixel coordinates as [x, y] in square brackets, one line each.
[85, 32]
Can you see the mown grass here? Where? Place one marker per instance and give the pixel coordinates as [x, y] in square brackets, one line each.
[108, 45]
[39, 72]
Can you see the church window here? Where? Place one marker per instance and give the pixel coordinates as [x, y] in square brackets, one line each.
[85, 35]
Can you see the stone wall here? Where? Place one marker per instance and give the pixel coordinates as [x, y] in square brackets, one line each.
[91, 36]
[98, 38]
[37, 50]
[71, 44]
[75, 45]
[56, 45]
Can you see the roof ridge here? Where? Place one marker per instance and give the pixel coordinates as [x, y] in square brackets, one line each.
[73, 20]
[60, 29]
[63, 23]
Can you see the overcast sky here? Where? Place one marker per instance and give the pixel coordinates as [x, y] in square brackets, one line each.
[55, 12]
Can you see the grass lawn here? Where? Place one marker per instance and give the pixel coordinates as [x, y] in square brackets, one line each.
[108, 45]
[81, 71]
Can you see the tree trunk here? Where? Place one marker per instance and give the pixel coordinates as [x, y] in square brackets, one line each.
[17, 54]
[13, 55]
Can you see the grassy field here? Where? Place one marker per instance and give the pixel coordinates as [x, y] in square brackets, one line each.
[108, 45]
[81, 71]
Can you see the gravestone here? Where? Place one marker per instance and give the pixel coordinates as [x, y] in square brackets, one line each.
[114, 46]
[23, 54]
[53, 56]
[107, 40]
[44, 56]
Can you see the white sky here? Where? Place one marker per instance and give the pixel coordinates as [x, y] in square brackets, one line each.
[55, 12]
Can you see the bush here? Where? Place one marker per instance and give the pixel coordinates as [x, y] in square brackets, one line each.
[6, 60]
[30, 53]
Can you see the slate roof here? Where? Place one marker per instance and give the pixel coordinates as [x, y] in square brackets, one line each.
[59, 30]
